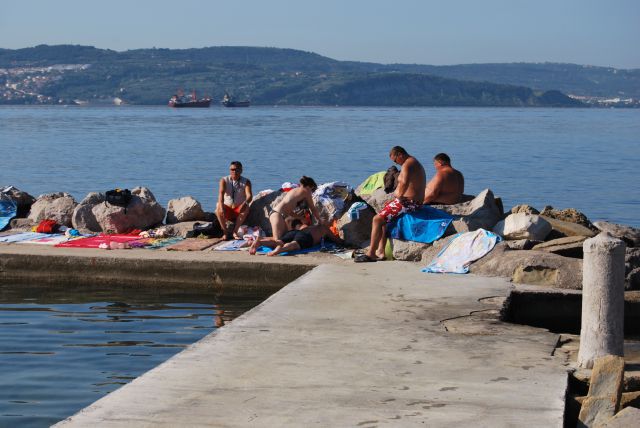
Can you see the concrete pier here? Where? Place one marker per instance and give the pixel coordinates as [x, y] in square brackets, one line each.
[355, 345]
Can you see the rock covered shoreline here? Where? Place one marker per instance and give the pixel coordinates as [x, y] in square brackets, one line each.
[539, 247]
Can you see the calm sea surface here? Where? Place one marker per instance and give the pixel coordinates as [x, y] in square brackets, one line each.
[61, 350]
[582, 158]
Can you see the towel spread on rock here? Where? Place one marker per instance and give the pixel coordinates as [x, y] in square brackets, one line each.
[425, 225]
[47, 239]
[95, 241]
[373, 182]
[23, 236]
[462, 250]
[193, 244]
[327, 246]
[8, 210]
[154, 243]
[235, 245]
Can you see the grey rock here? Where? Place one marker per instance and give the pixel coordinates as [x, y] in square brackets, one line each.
[184, 209]
[180, 229]
[356, 232]
[22, 199]
[378, 199]
[630, 235]
[531, 267]
[55, 206]
[626, 418]
[261, 207]
[605, 391]
[561, 228]
[570, 246]
[522, 244]
[408, 250]
[94, 215]
[21, 224]
[632, 268]
[524, 208]
[482, 212]
[523, 226]
[570, 215]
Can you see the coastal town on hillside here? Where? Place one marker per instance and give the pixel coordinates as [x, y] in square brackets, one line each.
[31, 86]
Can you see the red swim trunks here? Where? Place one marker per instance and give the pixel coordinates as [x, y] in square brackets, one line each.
[394, 208]
[231, 213]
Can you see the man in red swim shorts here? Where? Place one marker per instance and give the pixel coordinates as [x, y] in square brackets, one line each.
[409, 195]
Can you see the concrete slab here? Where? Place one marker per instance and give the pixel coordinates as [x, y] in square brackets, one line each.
[355, 345]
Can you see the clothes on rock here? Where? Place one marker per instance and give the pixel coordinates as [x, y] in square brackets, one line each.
[462, 250]
[426, 224]
[373, 182]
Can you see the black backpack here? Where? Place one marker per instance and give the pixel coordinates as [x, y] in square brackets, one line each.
[118, 197]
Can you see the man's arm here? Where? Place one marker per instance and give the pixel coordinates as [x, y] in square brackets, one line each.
[221, 194]
[403, 184]
[434, 188]
[248, 194]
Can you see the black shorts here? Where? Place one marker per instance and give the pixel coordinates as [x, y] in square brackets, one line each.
[304, 239]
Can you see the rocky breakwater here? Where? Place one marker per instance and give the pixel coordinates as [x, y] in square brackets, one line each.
[538, 247]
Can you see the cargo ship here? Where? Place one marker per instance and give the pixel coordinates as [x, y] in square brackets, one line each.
[179, 100]
[227, 101]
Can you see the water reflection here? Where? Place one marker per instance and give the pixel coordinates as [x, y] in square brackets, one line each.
[62, 349]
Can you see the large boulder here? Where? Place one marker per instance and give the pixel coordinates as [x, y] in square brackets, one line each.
[482, 212]
[632, 268]
[356, 232]
[260, 208]
[408, 250]
[630, 235]
[531, 267]
[561, 229]
[94, 215]
[184, 209]
[569, 246]
[22, 199]
[570, 215]
[524, 208]
[523, 226]
[377, 199]
[55, 206]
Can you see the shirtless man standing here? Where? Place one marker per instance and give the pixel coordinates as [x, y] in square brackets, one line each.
[300, 197]
[447, 186]
[408, 197]
[299, 237]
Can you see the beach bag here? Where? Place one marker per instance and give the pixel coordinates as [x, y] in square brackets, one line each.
[47, 226]
[118, 197]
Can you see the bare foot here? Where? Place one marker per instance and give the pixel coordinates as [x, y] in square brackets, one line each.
[380, 257]
[275, 251]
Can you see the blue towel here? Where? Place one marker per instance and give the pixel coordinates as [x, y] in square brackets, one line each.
[327, 245]
[7, 211]
[425, 225]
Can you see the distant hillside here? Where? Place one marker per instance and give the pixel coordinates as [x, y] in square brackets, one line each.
[272, 76]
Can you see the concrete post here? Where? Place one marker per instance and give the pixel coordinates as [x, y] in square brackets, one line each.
[602, 330]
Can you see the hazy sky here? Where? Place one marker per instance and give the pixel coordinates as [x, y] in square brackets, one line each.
[605, 32]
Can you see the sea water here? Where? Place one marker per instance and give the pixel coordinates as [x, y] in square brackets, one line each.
[581, 158]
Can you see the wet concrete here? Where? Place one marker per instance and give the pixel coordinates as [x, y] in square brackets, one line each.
[356, 345]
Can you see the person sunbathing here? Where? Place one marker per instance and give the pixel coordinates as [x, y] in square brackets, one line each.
[447, 186]
[234, 198]
[300, 237]
[295, 199]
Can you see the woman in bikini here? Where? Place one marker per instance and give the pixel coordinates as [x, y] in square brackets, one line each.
[293, 200]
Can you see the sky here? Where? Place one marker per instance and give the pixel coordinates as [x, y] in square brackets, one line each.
[438, 32]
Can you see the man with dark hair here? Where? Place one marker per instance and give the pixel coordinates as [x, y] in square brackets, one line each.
[408, 197]
[296, 199]
[447, 185]
[300, 237]
[234, 197]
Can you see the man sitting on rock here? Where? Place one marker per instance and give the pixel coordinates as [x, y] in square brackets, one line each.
[447, 185]
[408, 198]
[300, 237]
[234, 198]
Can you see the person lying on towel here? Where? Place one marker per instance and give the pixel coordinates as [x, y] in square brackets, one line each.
[300, 237]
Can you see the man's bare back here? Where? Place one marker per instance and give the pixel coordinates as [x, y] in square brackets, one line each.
[411, 181]
[446, 187]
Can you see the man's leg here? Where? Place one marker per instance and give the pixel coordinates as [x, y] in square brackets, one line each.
[380, 251]
[266, 242]
[283, 248]
[240, 220]
[377, 234]
[222, 220]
